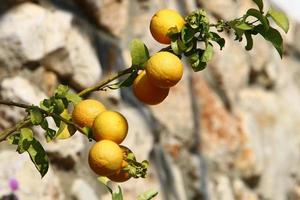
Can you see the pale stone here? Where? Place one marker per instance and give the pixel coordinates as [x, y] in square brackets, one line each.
[31, 40]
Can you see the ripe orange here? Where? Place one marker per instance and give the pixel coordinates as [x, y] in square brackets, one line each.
[162, 22]
[86, 111]
[110, 125]
[164, 69]
[146, 92]
[105, 157]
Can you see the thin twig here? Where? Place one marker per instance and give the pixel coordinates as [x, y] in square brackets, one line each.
[9, 131]
[105, 82]
[11, 103]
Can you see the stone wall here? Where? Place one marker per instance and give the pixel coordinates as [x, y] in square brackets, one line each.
[230, 132]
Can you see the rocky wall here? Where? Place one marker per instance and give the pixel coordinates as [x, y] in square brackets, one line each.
[230, 132]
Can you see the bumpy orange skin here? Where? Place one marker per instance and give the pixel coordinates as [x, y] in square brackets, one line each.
[110, 125]
[146, 92]
[105, 158]
[85, 112]
[164, 69]
[162, 22]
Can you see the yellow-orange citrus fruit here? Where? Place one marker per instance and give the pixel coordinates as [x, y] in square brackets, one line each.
[146, 92]
[164, 69]
[105, 157]
[110, 125]
[162, 22]
[68, 130]
[121, 175]
[85, 112]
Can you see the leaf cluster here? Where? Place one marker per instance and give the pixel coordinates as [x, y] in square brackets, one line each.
[245, 28]
[52, 107]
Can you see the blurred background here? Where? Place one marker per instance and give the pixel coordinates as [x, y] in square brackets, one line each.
[230, 132]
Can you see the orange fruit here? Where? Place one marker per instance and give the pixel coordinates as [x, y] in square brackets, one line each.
[162, 22]
[85, 112]
[164, 69]
[105, 157]
[110, 125]
[146, 92]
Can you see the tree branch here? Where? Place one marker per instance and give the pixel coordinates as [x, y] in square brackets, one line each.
[7, 132]
[105, 82]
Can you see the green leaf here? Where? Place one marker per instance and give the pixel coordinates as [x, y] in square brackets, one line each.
[175, 47]
[258, 15]
[36, 115]
[61, 91]
[139, 53]
[50, 134]
[198, 66]
[150, 194]
[59, 106]
[117, 195]
[129, 81]
[243, 26]
[38, 156]
[260, 4]
[218, 39]
[187, 34]
[104, 180]
[74, 98]
[26, 137]
[249, 45]
[208, 53]
[46, 105]
[13, 139]
[280, 19]
[273, 36]
[26, 142]
[88, 132]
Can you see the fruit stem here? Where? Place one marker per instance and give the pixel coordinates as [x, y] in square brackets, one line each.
[103, 83]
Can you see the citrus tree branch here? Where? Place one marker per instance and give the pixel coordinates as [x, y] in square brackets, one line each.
[103, 83]
[9, 131]
[11, 103]
[4, 134]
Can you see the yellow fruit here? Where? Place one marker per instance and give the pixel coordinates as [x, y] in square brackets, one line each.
[105, 157]
[121, 175]
[85, 112]
[162, 22]
[164, 69]
[110, 125]
[146, 92]
[68, 130]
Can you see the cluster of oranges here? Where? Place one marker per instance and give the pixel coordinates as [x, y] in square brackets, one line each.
[164, 69]
[106, 157]
[109, 128]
